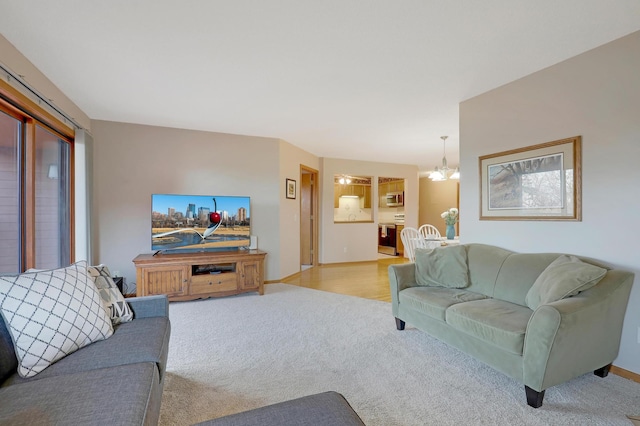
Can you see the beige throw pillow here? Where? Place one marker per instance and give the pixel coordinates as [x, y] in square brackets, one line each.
[118, 308]
[442, 267]
[564, 277]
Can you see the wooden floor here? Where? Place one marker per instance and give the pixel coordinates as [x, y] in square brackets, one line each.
[363, 279]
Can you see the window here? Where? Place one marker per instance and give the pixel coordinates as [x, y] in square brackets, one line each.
[52, 203]
[35, 190]
[352, 199]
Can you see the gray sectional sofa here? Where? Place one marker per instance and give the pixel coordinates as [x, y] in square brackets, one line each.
[117, 381]
[540, 318]
[322, 409]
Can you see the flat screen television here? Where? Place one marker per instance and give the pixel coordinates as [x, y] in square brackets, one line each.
[199, 222]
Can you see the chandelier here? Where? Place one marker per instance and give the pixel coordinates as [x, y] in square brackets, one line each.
[442, 173]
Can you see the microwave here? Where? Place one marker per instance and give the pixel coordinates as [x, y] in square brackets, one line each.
[394, 199]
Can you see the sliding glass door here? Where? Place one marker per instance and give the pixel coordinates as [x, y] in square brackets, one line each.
[35, 193]
[52, 187]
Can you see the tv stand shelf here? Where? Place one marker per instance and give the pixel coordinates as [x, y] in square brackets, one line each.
[187, 276]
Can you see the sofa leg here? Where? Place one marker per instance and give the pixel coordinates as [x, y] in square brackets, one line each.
[603, 372]
[400, 324]
[534, 398]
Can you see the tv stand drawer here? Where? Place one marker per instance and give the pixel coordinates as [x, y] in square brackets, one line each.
[211, 283]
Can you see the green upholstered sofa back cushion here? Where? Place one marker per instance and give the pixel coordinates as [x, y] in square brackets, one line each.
[442, 267]
[518, 273]
[484, 262]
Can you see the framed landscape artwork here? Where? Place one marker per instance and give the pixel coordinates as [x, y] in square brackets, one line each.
[539, 182]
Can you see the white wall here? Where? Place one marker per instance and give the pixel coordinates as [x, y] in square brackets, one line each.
[595, 95]
[360, 239]
[131, 162]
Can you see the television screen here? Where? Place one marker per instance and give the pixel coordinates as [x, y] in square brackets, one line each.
[199, 222]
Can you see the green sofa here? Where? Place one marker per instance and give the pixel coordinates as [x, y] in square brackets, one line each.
[540, 318]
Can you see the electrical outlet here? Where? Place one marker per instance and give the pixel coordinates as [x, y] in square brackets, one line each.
[638, 334]
[345, 249]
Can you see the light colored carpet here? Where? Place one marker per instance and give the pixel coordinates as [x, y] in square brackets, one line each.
[242, 352]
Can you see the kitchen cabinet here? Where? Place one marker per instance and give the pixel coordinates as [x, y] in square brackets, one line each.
[399, 245]
[363, 192]
[387, 186]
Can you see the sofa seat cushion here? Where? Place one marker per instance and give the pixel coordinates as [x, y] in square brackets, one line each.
[113, 396]
[495, 321]
[141, 340]
[434, 301]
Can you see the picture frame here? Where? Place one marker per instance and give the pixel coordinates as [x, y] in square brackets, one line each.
[538, 182]
[290, 189]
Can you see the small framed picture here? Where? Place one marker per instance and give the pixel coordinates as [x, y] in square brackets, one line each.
[291, 189]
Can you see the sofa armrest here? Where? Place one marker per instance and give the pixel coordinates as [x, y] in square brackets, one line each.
[573, 336]
[149, 306]
[401, 276]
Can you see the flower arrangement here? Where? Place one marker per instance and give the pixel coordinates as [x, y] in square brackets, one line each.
[450, 216]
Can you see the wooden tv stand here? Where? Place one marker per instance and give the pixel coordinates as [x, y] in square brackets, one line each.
[187, 276]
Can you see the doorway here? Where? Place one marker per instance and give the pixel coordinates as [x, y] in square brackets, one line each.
[308, 217]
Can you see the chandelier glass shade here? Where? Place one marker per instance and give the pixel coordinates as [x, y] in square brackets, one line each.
[441, 173]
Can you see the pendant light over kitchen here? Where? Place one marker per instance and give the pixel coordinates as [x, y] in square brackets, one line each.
[442, 173]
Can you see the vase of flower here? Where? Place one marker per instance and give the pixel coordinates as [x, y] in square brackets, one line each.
[450, 219]
[451, 232]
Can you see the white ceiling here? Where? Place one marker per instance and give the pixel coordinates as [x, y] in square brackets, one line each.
[370, 80]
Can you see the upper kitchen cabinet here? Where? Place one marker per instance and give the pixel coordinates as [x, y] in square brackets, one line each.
[352, 199]
[390, 192]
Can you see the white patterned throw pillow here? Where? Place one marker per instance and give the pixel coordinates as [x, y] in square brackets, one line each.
[51, 314]
[119, 309]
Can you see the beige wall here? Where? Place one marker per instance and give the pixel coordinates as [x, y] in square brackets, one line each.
[595, 95]
[353, 242]
[291, 157]
[16, 62]
[435, 198]
[131, 162]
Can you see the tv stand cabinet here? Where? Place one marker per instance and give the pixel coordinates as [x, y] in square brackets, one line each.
[188, 276]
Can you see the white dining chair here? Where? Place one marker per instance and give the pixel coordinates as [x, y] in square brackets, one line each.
[429, 232]
[412, 239]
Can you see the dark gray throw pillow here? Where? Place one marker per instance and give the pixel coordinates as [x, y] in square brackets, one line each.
[8, 360]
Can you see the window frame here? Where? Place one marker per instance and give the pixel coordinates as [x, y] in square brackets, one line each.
[31, 114]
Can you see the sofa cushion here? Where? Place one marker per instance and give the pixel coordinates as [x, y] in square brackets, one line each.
[500, 323]
[564, 277]
[8, 360]
[141, 340]
[119, 310]
[123, 395]
[434, 301]
[51, 314]
[323, 409]
[442, 266]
